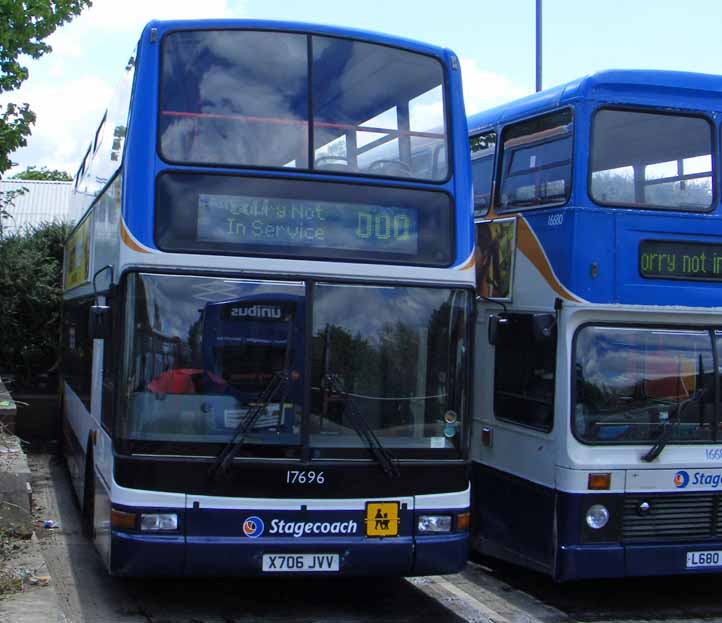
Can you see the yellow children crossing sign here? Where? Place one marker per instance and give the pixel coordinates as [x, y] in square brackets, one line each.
[382, 519]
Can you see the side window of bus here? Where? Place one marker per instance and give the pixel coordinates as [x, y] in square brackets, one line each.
[524, 367]
[483, 148]
[106, 150]
[648, 159]
[536, 164]
[77, 348]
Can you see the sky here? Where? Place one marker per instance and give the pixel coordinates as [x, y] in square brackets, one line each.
[69, 88]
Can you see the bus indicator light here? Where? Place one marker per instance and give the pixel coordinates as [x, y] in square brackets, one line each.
[599, 482]
[463, 521]
[120, 520]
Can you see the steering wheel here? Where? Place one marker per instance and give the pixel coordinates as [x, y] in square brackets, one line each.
[334, 163]
[390, 166]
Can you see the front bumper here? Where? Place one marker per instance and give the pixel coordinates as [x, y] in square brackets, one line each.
[142, 555]
[580, 562]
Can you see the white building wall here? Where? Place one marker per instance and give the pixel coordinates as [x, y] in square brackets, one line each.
[41, 202]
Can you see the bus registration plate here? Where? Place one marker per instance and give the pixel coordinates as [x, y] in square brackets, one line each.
[305, 563]
[704, 559]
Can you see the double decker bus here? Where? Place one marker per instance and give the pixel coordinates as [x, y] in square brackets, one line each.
[596, 434]
[267, 306]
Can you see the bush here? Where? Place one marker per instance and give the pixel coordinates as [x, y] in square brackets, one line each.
[30, 300]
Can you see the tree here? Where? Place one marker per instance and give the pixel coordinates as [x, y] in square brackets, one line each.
[43, 173]
[24, 24]
[30, 299]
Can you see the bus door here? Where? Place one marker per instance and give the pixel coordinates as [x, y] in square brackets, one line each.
[513, 475]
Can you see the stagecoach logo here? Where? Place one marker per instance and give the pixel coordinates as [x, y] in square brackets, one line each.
[257, 311]
[253, 527]
[681, 479]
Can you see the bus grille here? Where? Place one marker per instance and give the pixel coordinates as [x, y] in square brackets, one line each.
[675, 517]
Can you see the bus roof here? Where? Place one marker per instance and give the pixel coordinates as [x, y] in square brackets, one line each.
[301, 27]
[677, 89]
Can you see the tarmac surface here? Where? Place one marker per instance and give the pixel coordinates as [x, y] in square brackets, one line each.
[486, 592]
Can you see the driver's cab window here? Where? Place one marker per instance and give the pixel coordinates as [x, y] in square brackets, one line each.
[524, 365]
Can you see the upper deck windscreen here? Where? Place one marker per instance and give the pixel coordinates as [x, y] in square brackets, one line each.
[289, 100]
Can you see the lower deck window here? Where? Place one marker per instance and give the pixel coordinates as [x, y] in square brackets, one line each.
[524, 374]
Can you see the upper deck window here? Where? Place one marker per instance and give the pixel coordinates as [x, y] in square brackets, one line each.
[483, 148]
[536, 162]
[241, 98]
[651, 160]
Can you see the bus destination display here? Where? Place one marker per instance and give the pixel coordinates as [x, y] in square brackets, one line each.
[660, 259]
[250, 220]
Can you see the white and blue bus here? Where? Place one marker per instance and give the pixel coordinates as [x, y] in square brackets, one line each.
[267, 314]
[596, 434]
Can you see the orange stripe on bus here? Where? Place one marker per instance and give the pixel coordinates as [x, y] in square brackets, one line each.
[469, 263]
[529, 245]
[129, 242]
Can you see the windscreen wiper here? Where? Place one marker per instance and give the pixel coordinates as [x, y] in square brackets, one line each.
[278, 383]
[275, 385]
[383, 457]
[669, 426]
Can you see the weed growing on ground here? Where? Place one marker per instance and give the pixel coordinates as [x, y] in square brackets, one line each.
[10, 581]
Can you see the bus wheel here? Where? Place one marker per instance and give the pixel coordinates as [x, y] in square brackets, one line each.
[88, 517]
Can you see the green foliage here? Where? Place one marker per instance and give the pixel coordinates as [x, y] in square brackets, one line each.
[30, 299]
[7, 200]
[43, 174]
[24, 25]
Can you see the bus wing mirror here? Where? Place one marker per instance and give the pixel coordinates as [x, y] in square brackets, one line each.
[99, 322]
[497, 322]
[543, 326]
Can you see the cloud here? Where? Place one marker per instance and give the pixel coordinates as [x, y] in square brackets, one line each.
[68, 103]
[485, 89]
[132, 15]
[67, 114]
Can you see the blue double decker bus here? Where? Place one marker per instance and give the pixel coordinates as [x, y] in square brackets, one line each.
[597, 434]
[268, 295]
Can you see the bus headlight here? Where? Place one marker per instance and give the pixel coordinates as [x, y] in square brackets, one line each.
[434, 523]
[597, 516]
[155, 522]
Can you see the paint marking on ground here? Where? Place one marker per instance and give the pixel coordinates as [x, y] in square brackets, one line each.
[461, 603]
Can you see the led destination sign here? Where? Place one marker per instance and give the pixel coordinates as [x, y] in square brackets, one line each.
[274, 222]
[660, 259]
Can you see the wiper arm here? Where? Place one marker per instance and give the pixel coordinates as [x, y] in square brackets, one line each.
[276, 384]
[669, 426]
[383, 457]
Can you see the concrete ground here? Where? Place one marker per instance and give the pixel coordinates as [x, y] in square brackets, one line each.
[37, 601]
[488, 591]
